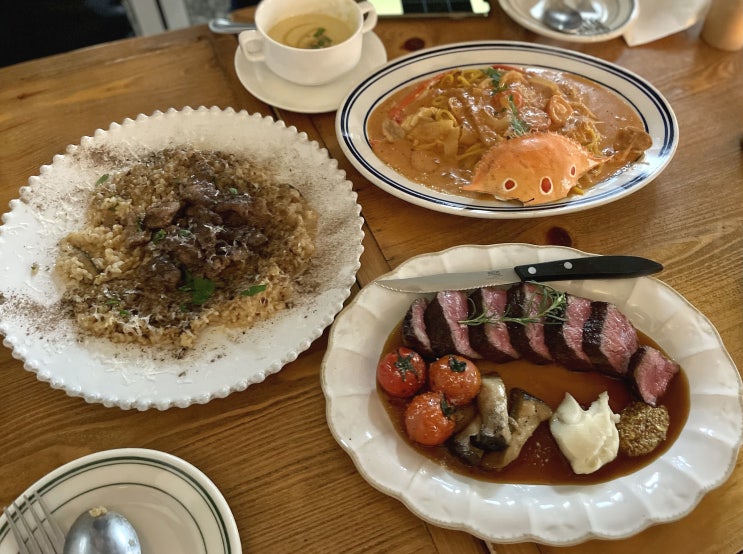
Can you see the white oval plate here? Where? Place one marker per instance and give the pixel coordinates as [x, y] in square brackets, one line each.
[129, 376]
[701, 459]
[654, 110]
[615, 16]
[173, 506]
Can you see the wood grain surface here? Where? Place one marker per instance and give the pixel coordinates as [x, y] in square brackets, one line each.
[268, 448]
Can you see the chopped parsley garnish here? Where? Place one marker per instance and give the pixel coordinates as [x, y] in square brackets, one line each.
[321, 39]
[102, 179]
[201, 289]
[253, 290]
[158, 236]
[495, 76]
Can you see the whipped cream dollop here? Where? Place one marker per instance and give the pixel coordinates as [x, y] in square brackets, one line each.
[588, 438]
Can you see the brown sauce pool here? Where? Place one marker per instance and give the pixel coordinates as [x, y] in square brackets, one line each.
[540, 461]
[611, 111]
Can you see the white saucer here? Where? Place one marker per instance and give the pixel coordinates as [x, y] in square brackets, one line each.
[173, 506]
[265, 85]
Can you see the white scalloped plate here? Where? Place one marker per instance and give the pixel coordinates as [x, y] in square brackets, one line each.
[173, 506]
[701, 459]
[222, 362]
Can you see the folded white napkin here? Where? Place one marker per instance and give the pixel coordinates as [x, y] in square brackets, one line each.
[659, 18]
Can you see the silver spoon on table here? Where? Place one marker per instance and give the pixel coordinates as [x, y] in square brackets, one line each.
[101, 531]
[224, 26]
[561, 17]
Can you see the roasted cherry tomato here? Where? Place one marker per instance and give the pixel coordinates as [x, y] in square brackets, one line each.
[457, 377]
[402, 372]
[427, 419]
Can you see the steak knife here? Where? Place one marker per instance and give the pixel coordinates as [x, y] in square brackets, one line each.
[590, 267]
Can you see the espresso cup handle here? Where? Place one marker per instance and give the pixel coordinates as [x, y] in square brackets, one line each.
[251, 44]
[369, 13]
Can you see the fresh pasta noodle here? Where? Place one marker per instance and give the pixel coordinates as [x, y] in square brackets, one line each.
[436, 132]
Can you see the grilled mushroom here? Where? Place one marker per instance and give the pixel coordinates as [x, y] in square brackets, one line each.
[492, 403]
[526, 414]
[461, 443]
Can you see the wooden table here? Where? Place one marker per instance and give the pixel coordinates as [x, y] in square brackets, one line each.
[299, 492]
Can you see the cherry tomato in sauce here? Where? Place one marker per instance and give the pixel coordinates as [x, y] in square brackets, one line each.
[455, 376]
[402, 372]
[427, 419]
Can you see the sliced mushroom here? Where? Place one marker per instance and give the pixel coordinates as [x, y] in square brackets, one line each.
[492, 403]
[86, 260]
[527, 413]
[461, 443]
[160, 215]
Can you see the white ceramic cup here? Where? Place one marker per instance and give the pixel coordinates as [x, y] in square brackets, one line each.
[302, 65]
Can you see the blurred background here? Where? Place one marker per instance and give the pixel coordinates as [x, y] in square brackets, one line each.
[36, 28]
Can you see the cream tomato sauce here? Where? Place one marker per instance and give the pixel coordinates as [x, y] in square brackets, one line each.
[413, 131]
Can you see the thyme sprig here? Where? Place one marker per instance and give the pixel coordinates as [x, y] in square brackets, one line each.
[547, 307]
[519, 126]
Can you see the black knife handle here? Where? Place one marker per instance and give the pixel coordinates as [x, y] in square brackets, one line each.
[590, 267]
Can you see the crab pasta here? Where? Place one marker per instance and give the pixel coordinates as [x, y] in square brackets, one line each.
[531, 135]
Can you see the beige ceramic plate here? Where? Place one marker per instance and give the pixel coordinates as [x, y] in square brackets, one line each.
[701, 459]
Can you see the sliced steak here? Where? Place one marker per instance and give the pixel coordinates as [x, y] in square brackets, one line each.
[492, 339]
[609, 339]
[651, 373]
[525, 301]
[442, 318]
[414, 334]
[563, 334]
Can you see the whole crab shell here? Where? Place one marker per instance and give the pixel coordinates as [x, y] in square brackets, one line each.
[534, 169]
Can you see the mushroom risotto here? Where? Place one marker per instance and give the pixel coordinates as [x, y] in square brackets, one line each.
[182, 240]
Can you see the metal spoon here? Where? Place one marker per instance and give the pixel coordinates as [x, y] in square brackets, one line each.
[224, 26]
[101, 531]
[561, 17]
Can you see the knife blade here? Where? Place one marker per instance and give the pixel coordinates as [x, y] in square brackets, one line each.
[590, 267]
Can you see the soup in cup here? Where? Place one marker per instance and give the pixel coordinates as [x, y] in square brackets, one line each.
[308, 42]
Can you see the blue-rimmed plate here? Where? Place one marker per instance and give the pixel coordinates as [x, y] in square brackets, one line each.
[654, 110]
[173, 506]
